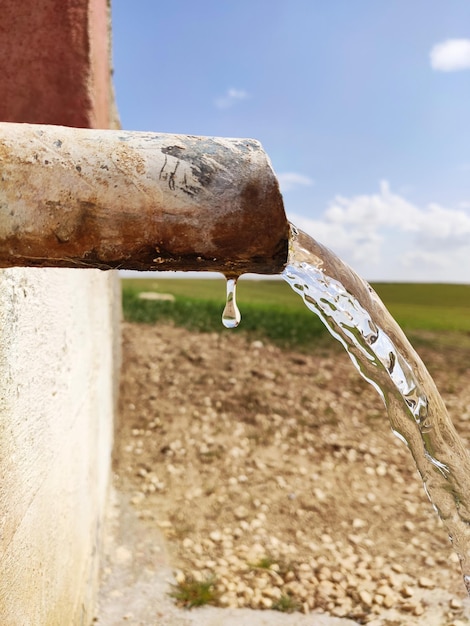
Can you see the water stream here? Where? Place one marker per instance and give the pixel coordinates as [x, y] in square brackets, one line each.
[355, 316]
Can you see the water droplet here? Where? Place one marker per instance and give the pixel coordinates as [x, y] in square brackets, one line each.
[231, 316]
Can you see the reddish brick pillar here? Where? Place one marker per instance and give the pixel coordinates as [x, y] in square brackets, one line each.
[57, 418]
[55, 62]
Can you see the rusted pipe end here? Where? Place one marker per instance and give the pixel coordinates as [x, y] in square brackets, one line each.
[143, 201]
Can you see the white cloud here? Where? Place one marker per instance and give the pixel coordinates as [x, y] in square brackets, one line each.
[231, 97]
[384, 236]
[451, 55]
[425, 259]
[291, 180]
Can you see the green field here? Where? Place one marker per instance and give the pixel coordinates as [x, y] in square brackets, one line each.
[271, 309]
[427, 306]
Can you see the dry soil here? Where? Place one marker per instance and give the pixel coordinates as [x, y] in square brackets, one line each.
[275, 475]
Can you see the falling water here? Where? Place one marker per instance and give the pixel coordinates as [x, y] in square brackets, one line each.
[355, 316]
[231, 316]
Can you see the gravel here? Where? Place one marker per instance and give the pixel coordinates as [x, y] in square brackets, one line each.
[275, 474]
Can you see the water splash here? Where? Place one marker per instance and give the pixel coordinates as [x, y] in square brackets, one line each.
[231, 316]
[355, 316]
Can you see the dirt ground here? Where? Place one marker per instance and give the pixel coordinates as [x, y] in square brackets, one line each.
[275, 475]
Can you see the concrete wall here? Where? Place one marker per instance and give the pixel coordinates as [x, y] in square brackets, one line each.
[56, 407]
[58, 337]
[55, 62]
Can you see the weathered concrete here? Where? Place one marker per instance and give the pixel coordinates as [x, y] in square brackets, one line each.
[55, 66]
[56, 403]
[57, 343]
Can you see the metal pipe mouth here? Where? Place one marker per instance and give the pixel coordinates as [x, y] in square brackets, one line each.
[144, 201]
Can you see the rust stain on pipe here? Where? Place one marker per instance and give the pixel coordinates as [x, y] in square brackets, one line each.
[143, 201]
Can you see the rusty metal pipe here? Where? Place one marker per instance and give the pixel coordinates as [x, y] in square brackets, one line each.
[143, 201]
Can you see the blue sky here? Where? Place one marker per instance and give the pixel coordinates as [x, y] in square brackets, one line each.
[362, 105]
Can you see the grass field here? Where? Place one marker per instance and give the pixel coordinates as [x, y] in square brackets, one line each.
[271, 309]
[427, 306]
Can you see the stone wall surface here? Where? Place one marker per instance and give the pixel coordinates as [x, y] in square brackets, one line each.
[58, 342]
[55, 67]
[56, 407]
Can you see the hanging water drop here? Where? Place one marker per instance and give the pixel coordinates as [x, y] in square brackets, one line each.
[231, 316]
